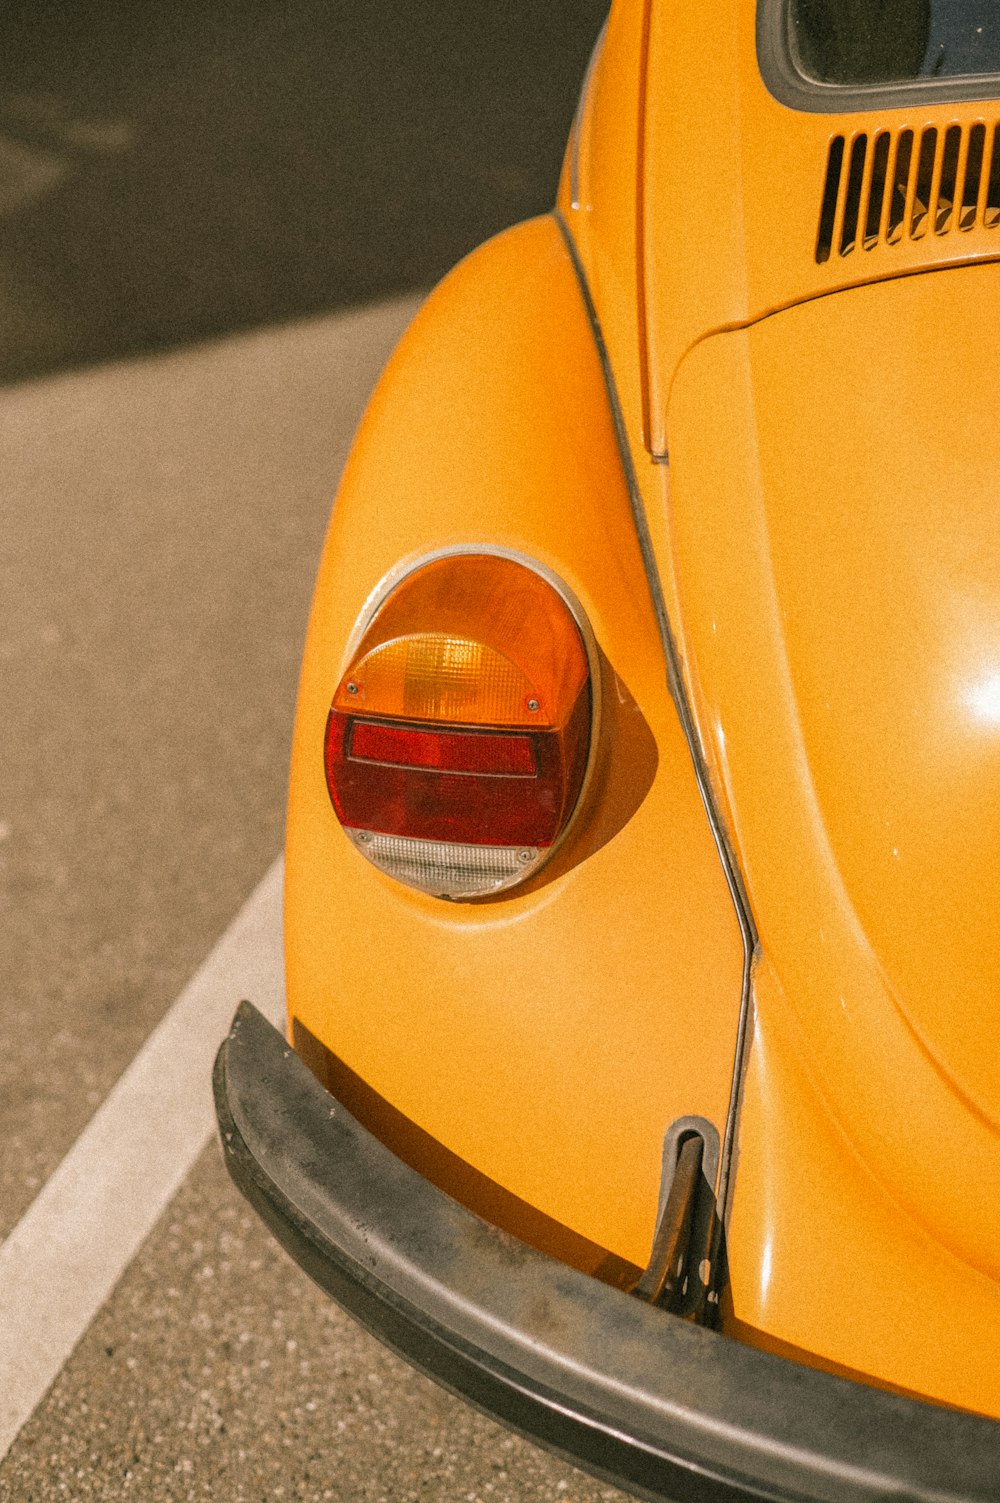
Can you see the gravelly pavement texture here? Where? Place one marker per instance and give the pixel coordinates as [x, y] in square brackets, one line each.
[219, 1371]
[162, 522]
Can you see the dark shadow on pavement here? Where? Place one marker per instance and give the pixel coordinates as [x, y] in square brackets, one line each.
[169, 173]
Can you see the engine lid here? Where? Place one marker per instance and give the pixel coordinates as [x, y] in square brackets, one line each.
[749, 206]
[835, 516]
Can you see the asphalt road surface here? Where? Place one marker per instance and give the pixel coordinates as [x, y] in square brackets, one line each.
[215, 218]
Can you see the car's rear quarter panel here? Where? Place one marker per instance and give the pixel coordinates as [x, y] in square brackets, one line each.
[548, 1038]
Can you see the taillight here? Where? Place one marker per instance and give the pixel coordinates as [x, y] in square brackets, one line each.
[459, 737]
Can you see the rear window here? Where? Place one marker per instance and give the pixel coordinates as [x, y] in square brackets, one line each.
[860, 43]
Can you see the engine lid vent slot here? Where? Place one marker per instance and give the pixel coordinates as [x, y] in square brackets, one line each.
[883, 188]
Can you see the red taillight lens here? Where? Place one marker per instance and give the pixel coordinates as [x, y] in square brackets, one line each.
[501, 753]
[486, 788]
[458, 738]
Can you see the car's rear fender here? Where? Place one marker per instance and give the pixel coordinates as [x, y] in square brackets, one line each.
[550, 1037]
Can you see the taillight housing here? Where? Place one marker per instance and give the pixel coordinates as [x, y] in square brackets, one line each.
[459, 737]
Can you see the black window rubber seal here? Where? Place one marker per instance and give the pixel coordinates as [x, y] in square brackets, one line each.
[792, 88]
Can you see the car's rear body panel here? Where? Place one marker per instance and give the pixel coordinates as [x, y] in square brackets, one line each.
[833, 527]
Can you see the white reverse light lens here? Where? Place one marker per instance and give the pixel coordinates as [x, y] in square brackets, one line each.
[447, 870]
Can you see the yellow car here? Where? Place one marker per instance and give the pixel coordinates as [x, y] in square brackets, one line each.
[642, 921]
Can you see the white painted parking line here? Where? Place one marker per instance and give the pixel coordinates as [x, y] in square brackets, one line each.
[64, 1257]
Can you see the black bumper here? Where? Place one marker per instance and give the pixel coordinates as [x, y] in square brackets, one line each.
[666, 1409]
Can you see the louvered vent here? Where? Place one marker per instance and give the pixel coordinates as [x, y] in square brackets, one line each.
[881, 188]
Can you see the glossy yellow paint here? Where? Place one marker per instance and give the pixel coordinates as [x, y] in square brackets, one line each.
[732, 184]
[599, 193]
[837, 559]
[602, 202]
[826, 1266]
[547, 1038]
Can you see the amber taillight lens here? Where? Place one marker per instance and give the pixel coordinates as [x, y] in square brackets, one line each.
[459, 736]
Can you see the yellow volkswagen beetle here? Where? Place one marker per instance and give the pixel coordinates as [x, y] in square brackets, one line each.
[642, 921]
